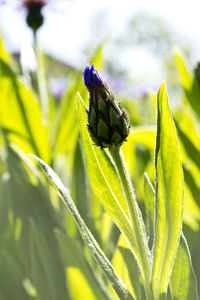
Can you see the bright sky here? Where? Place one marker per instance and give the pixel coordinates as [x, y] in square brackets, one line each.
[65, 33]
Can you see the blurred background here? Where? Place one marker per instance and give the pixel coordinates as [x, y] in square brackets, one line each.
[138, 37]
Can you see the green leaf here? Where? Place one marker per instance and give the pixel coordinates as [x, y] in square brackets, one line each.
[12, 276]
[127, 268]
[104, 263]
[104, 179]
[4, 207]
[81, 195]
[141, 138]
[20, 115]
[189, 141]
[78, 270]
[79, 185]
[190, 148]
[65, 127]
[188, 124]
[185, 76]
[27, 200]
[3, 53]
[46, 278]
[183, 283]
[149, 200]
[169, 196]
[191, 216]
[190, 86]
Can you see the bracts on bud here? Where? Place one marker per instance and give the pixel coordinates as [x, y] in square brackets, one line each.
[108, 121]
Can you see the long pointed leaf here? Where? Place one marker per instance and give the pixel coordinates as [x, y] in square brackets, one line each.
[149, 195]
[78, 270]
[169, 196]
[95, 249]
[21, 116]
[190, 86]
[44, 267]
[105, 181]
[183, 282]
[127, 267]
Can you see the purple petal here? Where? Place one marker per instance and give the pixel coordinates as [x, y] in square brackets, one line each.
[91, 77]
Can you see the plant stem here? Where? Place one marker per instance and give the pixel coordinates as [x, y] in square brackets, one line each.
[139, 234]
[41, 81]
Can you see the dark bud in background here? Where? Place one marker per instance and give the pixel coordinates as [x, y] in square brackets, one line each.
[34, 17]
[108, 121]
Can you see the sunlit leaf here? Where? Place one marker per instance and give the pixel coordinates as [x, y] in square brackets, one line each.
[47, 280]
[65, 126]
[169, 196]
[183, 282]
[79, 185]
[29, 200]
[104, 263]
[190, 148]
[127, 268]
[149, 200]
[104, 180]
[20, 115]
[78, 270]
[190, 86]
[4, 55]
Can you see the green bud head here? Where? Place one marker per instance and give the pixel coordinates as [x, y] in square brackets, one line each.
[108, 122]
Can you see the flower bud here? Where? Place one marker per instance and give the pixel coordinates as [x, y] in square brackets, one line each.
[108, 121]
[34, 17]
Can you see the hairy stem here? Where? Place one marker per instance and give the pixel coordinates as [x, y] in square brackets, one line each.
[139, 233]
[41, 82]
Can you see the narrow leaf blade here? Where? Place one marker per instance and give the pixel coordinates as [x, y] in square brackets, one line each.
[45, 270]
[104, 179]
[149, 198]
[169, 196]
[78, 270]
[127, 267]
[95, 249]
[183, 281]
[190, 86]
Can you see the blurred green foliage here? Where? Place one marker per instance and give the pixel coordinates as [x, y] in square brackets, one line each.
[42, 254]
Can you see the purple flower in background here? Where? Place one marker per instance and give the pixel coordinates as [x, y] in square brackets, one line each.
[142, 90]
[58, 87]
[91, 77]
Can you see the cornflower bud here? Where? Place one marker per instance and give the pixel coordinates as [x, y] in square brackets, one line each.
[108, 121]
[34, 17]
